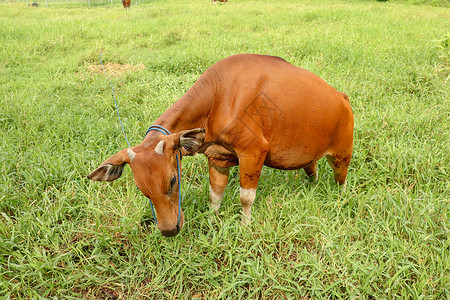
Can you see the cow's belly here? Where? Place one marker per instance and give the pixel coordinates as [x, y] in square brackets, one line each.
[284, 156]
[291, 156]
[290, 160]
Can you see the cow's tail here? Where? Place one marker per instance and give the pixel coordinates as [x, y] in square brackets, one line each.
[345, 96]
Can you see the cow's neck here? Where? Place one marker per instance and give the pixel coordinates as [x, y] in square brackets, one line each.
[192, 110]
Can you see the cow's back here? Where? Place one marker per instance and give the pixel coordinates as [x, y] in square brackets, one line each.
[296, 112]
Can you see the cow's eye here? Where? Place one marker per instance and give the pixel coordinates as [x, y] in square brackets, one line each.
[172, 182]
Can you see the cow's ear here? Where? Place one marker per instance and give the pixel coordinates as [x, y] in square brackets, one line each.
[192, 140]
[112, 168]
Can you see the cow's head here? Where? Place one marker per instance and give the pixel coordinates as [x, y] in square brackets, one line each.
[154, 167]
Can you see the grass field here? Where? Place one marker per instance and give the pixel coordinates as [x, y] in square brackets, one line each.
[63, 236]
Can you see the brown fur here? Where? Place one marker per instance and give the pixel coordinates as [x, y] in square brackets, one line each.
[253, 110]
[126, 4]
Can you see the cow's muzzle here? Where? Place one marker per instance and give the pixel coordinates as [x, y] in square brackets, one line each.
[171, 233]
[175, 230]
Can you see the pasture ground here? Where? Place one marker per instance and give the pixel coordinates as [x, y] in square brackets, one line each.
[62, 236]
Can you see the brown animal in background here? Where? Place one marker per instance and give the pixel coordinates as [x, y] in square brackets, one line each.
[247, 110]
[214, 1]
[126, 3]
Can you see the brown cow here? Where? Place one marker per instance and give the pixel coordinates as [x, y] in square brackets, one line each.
[215, 1]
[247, 110]
[126, 3]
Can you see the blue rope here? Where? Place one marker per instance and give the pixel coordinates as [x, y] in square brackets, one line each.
[167, 132]
[115, 101]
[158, 128]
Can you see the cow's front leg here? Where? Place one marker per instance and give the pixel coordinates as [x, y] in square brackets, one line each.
[247, 198]
[218, 179]
[250, 167]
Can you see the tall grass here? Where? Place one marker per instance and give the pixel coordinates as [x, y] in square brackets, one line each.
[63, 236]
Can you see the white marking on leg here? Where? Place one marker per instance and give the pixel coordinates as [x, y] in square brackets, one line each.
[344, 186]
[247, 198]
[216, 199]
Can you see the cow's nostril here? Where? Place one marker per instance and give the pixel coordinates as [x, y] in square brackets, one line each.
[170, 233]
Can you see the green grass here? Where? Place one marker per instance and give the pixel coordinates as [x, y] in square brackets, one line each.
[63, 236]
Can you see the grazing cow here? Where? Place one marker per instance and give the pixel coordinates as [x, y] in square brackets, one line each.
[247, 110]
[126, 3]
[215, 1]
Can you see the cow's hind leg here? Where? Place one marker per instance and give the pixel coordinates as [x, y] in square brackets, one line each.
[339, 163]
[311, 170]
[218, 179]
